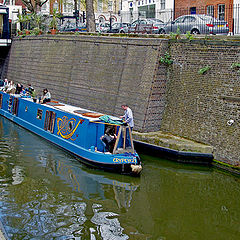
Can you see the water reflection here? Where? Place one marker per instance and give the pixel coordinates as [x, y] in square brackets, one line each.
[46, 193]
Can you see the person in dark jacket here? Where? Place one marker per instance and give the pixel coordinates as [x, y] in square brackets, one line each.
[19, 88]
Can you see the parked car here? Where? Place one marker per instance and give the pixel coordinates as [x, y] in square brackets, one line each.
[102, 27]
[141, 26]
[119, 28]
[157, 25]
[71, 27]
[197, 24]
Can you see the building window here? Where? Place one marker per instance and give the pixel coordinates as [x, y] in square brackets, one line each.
[221, 11]
[193, 10]
[162, 4]
[210, 10]
[100, 5]
[110, 6]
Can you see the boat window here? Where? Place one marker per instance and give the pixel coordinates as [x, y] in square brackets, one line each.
[39, 114]
[49, 121]
[15, 106]
[1, 97]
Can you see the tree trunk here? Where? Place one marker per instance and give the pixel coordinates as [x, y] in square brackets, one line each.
[90, 16]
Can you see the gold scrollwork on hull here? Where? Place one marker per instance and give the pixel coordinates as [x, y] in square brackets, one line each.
[67, 127]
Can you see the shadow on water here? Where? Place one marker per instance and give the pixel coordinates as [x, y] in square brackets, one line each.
[45, 193]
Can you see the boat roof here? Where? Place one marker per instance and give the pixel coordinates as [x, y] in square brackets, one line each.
[74, 110]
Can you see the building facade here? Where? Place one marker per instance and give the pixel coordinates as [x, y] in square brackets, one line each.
[139, 9]
[219, 9]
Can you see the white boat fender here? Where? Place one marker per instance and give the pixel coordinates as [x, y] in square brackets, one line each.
[136, 168]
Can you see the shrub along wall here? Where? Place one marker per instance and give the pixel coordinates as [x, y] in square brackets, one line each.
[205, 107]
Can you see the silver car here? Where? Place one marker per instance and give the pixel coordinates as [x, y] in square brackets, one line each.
[141, 26]
[196, 24]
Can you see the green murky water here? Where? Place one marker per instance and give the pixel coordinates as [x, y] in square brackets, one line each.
[45, 193]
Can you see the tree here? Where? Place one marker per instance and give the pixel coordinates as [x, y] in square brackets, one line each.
[91, 27]
[33, 5]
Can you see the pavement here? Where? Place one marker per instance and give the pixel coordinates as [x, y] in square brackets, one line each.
[167, 140]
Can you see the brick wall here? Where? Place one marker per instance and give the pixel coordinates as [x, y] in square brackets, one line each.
[96, 73]
[200, 106]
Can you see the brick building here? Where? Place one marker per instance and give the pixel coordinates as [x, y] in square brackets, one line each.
[219, 9]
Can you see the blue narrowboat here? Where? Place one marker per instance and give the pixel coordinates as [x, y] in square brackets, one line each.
[77, 130]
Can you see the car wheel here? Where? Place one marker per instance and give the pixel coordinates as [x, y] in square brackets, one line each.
[121, 31]
[195, 31]
[162, 31]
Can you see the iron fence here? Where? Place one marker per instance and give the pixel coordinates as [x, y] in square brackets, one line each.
[220, 19]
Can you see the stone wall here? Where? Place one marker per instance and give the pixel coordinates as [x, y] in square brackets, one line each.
[97, 73]
[201, 107]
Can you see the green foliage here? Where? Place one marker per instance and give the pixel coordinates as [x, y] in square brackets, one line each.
[37, 19]
[204, 70]
[36, 31]
[166, 59]
[236, 66]
[54, 20]
[176, 35]
[189, 35]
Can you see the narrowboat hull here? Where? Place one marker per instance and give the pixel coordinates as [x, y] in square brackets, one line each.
[73, 133]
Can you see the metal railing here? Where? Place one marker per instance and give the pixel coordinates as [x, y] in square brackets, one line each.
[225, 19]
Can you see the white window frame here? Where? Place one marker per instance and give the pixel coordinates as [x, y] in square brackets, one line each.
[162, 4]
[221, 11]
[210, 10]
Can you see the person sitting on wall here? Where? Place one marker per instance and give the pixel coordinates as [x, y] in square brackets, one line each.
[19, 88]
[108, 139]
[5, 85]
[29, 89]
[11, 88]
[46, 97]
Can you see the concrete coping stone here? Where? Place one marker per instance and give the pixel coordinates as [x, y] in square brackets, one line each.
[98, 39]
[173, 142]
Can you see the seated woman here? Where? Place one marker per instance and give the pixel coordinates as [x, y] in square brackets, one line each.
[46, 97]
[11, 88]
[109, 139]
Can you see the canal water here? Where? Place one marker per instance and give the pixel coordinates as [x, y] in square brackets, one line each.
[45, 193]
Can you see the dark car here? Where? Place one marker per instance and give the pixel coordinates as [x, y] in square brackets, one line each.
[197, 24]
[119, 28]
[71, 27]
